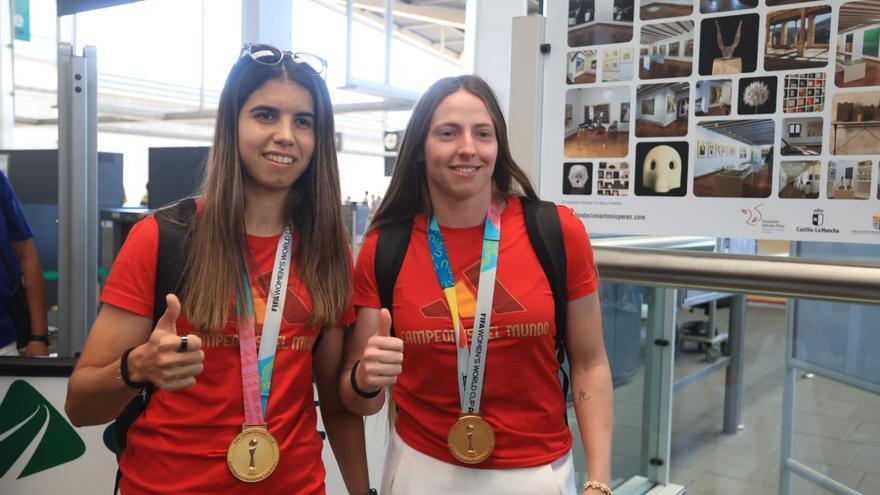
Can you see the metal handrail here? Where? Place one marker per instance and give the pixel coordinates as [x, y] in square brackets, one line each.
[758, 275]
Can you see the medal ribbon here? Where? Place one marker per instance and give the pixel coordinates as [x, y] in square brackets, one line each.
[471, 363]
[256, 372]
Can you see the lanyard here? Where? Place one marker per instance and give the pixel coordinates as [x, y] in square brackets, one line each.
[256, 372]
[471, 363]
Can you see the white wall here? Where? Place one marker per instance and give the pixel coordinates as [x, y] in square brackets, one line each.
[857, 44]
[703, 166]
[605, 11]
[660, 116]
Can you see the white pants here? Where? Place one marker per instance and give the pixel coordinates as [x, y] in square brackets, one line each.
[410, 472]
[10, 349]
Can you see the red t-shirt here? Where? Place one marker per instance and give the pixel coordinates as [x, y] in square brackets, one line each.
[179, 444]
[522, 397]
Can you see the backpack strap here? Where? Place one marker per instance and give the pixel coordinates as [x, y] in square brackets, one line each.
[391, 249]
[174, 222]
[545, 233]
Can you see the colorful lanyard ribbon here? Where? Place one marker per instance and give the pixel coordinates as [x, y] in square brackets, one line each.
[471, 364]
[256, 374]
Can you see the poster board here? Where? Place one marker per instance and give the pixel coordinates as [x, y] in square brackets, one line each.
[762, 122]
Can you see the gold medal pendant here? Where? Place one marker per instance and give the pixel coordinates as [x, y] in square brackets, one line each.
[253, 454]
[471, 439]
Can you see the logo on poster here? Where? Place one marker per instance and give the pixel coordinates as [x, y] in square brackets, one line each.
[753, 215]
[818, 217]
[32, 426]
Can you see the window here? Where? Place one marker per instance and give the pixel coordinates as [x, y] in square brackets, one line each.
[794, 130]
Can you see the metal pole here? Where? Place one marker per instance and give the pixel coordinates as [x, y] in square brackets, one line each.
[389, 34]
[761, 275]
[77, 196]
[788, 397]
[657, 398]
[733, 379]
[349, 18]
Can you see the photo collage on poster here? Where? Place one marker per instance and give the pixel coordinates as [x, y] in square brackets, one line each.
[776, 99]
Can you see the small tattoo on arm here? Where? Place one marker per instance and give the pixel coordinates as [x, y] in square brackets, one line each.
[582, 396]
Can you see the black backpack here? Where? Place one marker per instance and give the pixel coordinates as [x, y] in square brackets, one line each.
[545, 234]
[174, 222]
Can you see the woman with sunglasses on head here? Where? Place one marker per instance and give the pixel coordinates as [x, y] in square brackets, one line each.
[472, 364]
[258, 314]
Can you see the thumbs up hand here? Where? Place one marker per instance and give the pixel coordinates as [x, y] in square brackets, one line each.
[170, 361]
[382, 360]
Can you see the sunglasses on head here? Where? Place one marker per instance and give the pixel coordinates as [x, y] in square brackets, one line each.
[270, 55]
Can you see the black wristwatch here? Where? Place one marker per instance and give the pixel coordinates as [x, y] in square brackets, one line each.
[39, 338]
[372, 492]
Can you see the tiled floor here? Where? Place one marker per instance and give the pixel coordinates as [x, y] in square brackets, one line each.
[837, 428]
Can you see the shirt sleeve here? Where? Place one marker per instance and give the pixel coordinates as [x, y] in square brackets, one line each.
[366, 293]
[17, 228]
[580, 267]
[132, 281]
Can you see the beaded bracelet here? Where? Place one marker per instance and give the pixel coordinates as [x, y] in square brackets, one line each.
[598, 485]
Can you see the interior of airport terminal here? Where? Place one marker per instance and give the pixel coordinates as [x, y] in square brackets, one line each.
[714, 332]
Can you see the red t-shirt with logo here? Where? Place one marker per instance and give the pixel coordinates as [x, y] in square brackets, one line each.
[179, 445]
[522, 397]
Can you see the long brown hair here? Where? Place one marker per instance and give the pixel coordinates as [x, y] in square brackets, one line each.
[407, 194]
[217, 263]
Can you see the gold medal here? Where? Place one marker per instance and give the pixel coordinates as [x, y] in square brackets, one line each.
[471, 439]
[253, 454]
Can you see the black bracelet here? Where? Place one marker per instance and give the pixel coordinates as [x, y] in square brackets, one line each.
[372, 492]
[39, 338]
[123, 372]
[354, 386]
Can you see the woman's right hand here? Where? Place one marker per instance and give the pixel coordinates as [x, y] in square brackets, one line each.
[382, 360]
[163, 360]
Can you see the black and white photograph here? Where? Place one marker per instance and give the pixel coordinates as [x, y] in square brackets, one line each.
[729, 45]
[612, 179]
[577, 178]
[757, 95]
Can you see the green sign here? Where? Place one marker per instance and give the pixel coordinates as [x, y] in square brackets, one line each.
[26, 417]
[21, 19]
